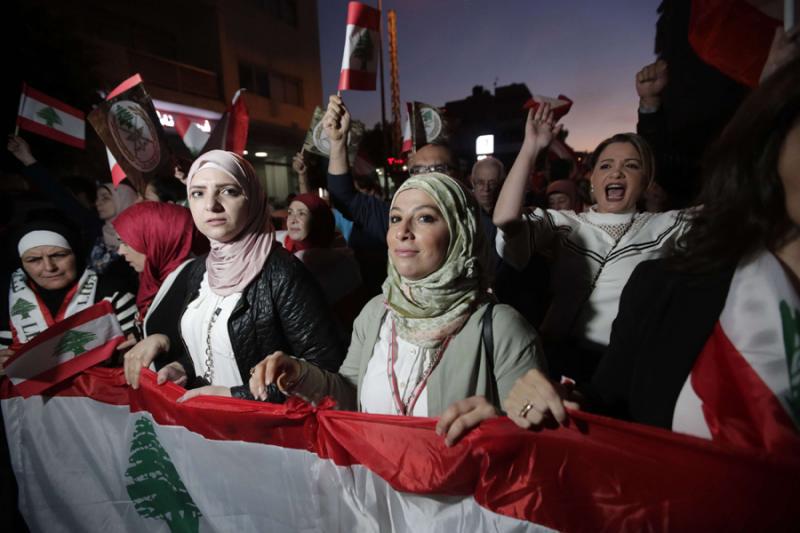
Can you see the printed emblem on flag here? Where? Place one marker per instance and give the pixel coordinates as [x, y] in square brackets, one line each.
[317, 141]
[135, 135]
[49, 116]
[156, 488]
[22, 308]
[432, 123]
[74, 341]
[363, 50]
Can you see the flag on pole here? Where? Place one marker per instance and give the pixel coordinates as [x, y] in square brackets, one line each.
[361, 48]
[560, 105]
[129, 126]
[51, 118]
[230, 133]
[64, 349]
[144, 463]
[425, 124]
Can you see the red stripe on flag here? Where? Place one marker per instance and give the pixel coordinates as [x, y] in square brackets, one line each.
[52, 133]
[96, 311]
[57, 374]
[117, 174]
[134, 80]
[356, 80]
[739, 408]
[52, 102]
[362, 15]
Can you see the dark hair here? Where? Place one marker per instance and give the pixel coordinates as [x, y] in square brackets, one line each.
[169, 189]
[80, 185]
[638, 142]
[743, 203]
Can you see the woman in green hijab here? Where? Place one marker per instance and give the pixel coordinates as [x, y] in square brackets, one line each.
[432, 338]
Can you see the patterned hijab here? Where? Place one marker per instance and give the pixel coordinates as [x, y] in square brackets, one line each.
[428, 310]
[232, 265]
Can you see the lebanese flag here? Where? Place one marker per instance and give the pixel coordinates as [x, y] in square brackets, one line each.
[51, 118]
[361, 48]
[560, 105]
[191, 133]
[732, 36]
[64, 349]
[744, 388]
[230, 133]
[147, 463]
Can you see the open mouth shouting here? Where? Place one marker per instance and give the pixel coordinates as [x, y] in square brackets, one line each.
[615, 192]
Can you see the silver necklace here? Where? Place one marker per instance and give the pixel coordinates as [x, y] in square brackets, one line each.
[208, 375]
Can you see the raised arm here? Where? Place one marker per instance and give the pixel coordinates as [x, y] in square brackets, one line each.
[540, 128]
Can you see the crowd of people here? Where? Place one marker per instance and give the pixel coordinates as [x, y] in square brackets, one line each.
[484, 303]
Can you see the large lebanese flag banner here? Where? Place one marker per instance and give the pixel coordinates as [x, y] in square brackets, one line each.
[361, 48]
[46, 116]
[135, 460]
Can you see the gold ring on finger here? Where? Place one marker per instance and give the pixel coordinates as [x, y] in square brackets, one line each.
[525, 410]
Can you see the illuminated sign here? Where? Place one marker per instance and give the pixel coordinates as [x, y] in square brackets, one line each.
[169, 112]
[484, 145]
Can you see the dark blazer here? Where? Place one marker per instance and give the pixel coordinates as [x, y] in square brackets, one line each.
[665, 319]
[282, 309]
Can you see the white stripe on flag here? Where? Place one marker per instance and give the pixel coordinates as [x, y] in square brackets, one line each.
[353, 34]
[243, 487]
[96, 333]
[69, 124]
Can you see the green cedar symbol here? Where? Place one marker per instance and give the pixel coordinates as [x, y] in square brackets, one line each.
[75, 342]
[22, 307]
[49, 115]
[156, 488]
[364, 49]
[791, 342]
[125, 118]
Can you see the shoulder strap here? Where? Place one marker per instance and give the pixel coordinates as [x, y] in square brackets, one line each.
[487, 336]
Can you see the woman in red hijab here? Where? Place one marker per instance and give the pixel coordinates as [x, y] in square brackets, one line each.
[310, 235]
[158, 240]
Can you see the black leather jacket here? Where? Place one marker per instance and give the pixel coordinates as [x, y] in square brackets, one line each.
[282, 309]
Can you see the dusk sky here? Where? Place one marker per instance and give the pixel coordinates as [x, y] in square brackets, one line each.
[587, 50]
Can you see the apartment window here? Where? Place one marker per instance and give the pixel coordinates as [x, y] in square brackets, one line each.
[287, 90]
[283, 10]
[254, 79]
[284, 89]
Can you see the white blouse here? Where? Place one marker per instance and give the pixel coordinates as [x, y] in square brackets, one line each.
[592, 256]
[194, 330]
[412, 360]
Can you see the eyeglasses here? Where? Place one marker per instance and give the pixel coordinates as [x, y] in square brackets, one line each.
[442, 168]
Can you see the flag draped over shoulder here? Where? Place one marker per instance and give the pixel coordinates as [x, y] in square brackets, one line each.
[361, 48]
[51, 118]
[147, 463]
